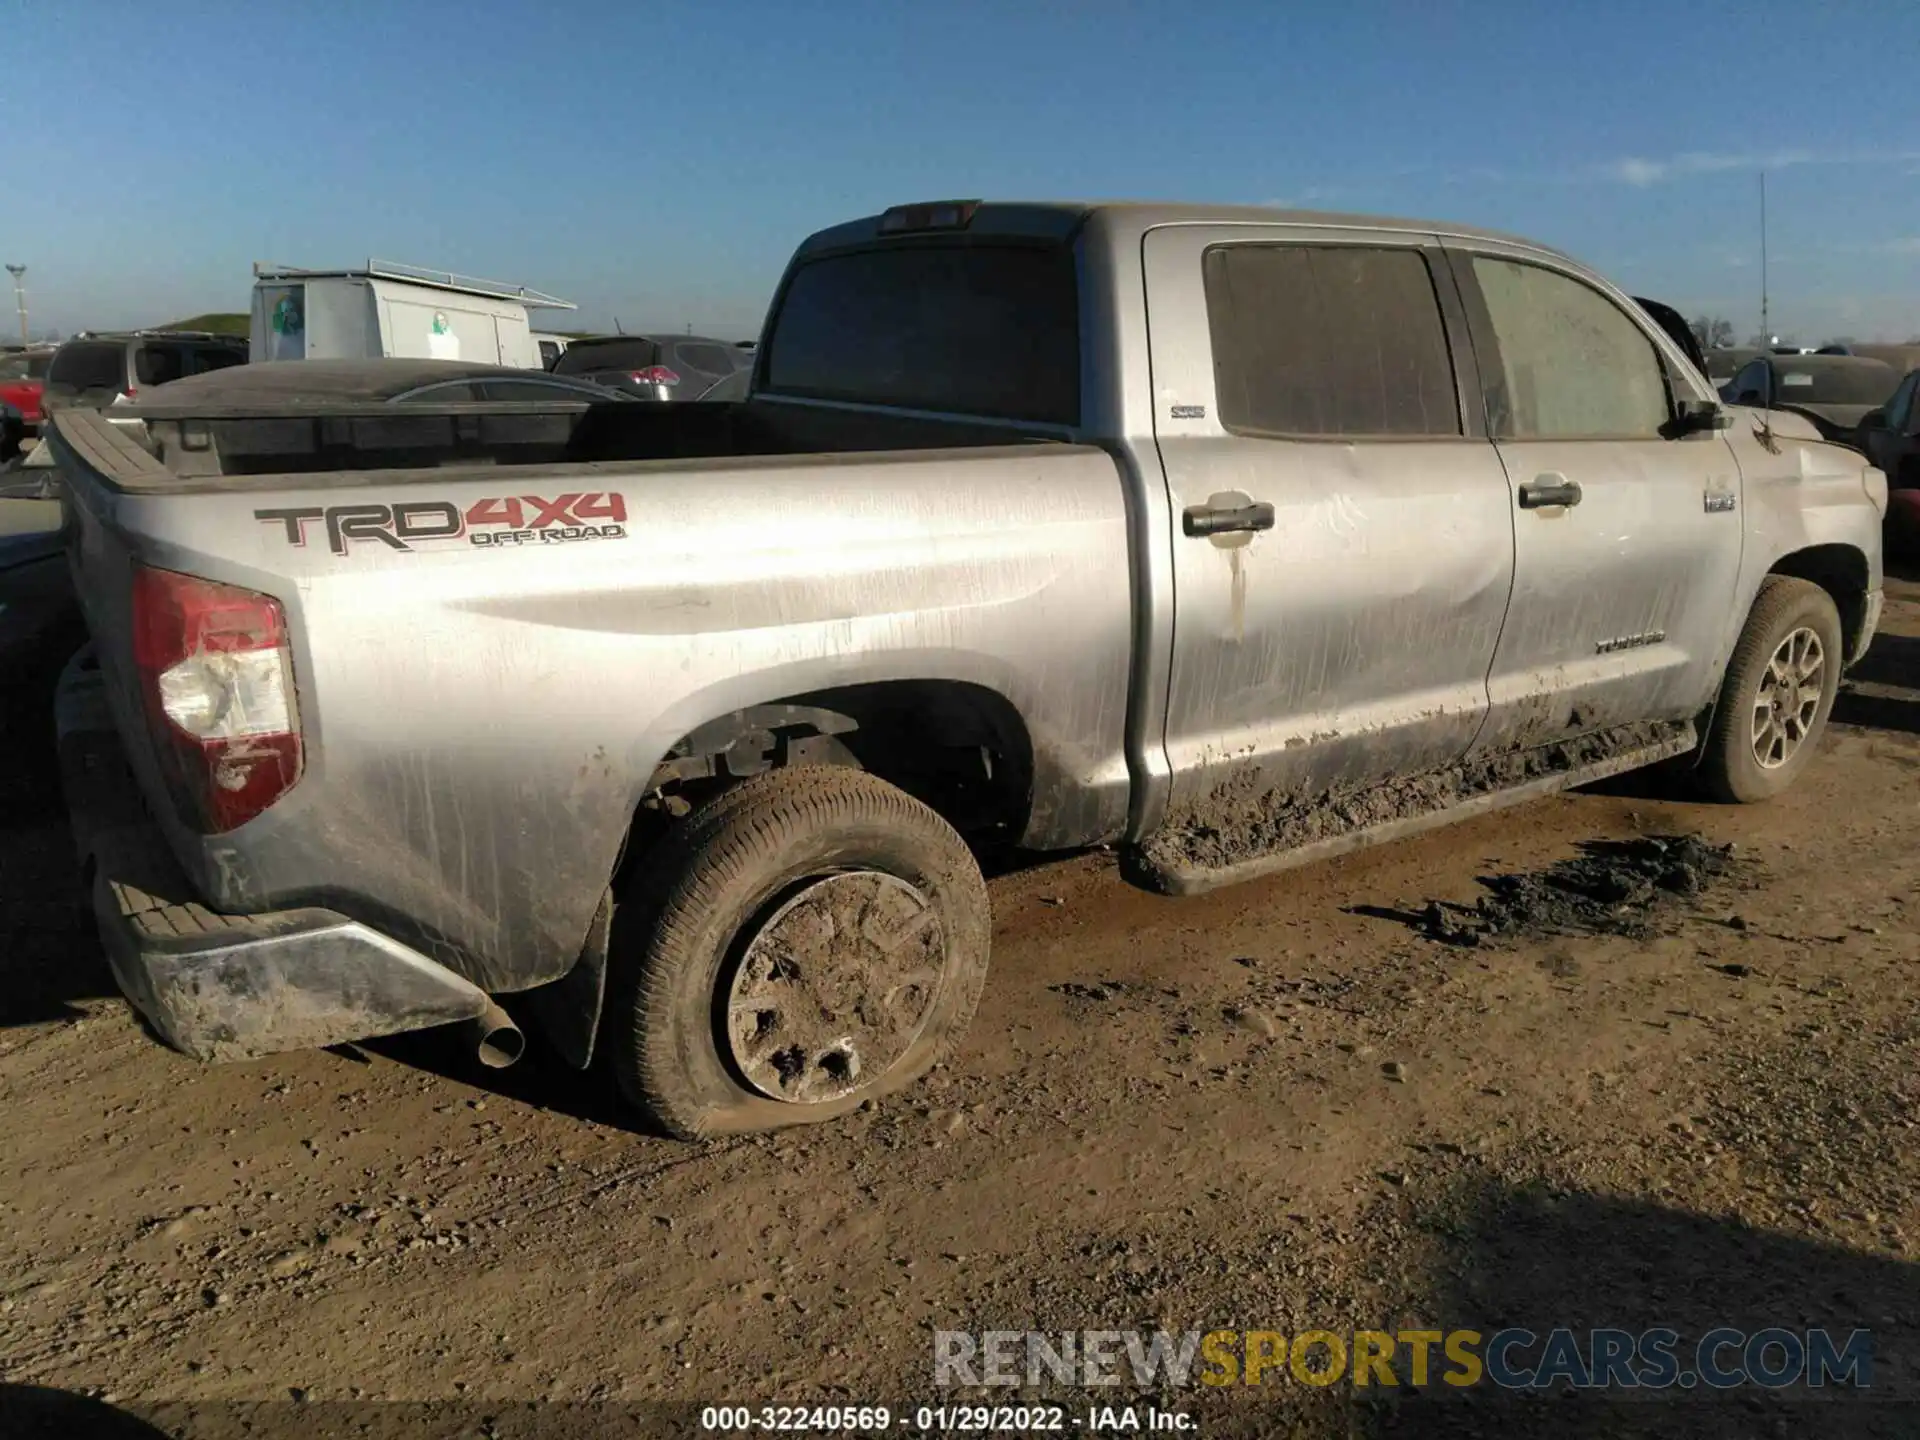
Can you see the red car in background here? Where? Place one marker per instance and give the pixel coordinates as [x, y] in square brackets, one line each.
[23, 375]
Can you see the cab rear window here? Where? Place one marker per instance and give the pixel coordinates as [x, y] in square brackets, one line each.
[971, 329]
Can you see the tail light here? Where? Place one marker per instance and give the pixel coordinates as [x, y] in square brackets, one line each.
[655, 375]
[216, 675]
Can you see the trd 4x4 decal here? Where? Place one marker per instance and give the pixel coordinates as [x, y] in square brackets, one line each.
[496, 521]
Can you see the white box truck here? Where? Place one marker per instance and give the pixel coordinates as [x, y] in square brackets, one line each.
[387, 309]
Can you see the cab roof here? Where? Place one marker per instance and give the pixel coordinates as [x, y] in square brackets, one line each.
[1127, 219]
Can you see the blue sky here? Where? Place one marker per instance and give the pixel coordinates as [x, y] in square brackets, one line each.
[658, 162]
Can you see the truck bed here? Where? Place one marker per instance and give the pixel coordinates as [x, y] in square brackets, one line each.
[503, 621]
[212, 448]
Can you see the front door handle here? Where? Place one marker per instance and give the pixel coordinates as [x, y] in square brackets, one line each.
[1201, 520]
[1545, 490]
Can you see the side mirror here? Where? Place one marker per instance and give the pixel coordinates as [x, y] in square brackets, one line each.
[1873, 420]
[1748, 397]
[1696, 416]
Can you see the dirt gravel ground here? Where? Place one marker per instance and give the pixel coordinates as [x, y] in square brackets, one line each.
[1345, 1098]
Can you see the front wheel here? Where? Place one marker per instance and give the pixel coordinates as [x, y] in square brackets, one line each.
[1779, 689]
[813, 938]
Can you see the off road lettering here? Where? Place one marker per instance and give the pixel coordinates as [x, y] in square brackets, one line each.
[498, 538]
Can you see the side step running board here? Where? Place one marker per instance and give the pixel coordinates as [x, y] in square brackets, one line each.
[1176, 878]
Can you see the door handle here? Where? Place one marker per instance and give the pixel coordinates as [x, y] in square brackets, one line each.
[1545, 490]
[1201, 520]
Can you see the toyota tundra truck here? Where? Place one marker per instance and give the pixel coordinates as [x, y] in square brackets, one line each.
[1231, 538]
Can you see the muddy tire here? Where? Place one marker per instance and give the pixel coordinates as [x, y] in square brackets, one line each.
[807, 941]
[1779, 689]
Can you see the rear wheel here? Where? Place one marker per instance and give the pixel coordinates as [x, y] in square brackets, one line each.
[807, 941]
[1779, 689]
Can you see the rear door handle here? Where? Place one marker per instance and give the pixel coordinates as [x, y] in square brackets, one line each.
[1204, 520]
[1545, 490]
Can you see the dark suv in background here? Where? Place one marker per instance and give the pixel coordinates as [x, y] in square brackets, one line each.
[661, 367]
[91, 371]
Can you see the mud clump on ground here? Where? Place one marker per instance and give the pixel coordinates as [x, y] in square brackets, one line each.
[1610, 888]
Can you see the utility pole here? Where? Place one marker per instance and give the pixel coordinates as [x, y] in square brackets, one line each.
[1765, 331]
[19, 273]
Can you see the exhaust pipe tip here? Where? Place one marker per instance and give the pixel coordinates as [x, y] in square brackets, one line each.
[496, 1040]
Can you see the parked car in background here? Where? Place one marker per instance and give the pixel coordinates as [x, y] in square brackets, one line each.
[23, 375]
[1833, 391]
[1890, 436]
[664, 367]
[93, 371]
[550, 346]
[1901, 357]
[394, 382]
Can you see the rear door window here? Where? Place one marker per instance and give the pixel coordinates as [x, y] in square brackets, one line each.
[533, 391]
[89, 365]
[711, 360]
[447, 392]
[735, 387]
[201, 359]
[156, 364]
[628, 354]
[1325, 340]
[982, 329]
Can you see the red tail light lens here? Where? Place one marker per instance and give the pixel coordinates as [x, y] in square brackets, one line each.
[216, 673]
[655, 375]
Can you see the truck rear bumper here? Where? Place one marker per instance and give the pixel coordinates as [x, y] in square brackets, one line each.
[225, 987]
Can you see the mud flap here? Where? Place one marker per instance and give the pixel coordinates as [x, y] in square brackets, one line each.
[567, 1012]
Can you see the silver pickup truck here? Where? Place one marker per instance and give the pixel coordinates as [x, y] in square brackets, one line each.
[1235, 538]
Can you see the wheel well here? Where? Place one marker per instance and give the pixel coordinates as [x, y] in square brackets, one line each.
[961, 748]
[1841, 571]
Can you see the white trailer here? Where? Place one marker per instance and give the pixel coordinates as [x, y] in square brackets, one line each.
[387, 309]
